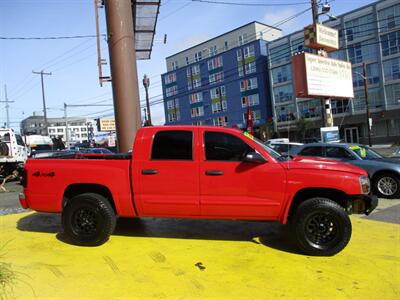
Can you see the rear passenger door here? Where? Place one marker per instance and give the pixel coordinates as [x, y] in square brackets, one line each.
[169, 179]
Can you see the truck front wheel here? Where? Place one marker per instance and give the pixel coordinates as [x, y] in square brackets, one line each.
[88, 220]
[321, 227]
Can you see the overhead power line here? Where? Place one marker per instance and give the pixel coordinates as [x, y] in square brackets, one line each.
[50, 37]
[250, 4]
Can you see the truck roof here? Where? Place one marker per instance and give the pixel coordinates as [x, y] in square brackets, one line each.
[190, 127]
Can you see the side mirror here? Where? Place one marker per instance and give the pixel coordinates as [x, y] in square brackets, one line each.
[254, 157]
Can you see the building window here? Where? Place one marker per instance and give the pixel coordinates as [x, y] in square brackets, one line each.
[171, 91]
[52, 130]
[193, 77]
[282, 74]
[297, 45]
[173, 110]
[172, 145]
[216, 77]
[197, 111]
[255, 116]
[391, 68]
[390, 43]
[219, 106]
[279, 55]
[213, 51]
[286, 113]
[358, 27]
[198, 56]
[394, 127]
[249, 68]
[174, 65]
[375, 99]
[310, 109]
[60, 130]
[226, 47]
[243, 39]
[251, 99]
[170, 78]
[220, 121]
[393, 94]
[187, 60]
[389, 18]
[195, 98]
[215, 63]
[248, 84]
[363, 52]
[372, 75]
[340, 106]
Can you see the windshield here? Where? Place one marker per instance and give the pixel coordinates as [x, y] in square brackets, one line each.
[365, 152]
[271, 151]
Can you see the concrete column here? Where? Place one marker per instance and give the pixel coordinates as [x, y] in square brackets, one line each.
[121, 43]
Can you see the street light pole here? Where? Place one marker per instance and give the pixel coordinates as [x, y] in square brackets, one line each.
[368, 115]
[146, 84]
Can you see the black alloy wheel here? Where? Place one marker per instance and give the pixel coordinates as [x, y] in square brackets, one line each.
[321, 227]
[88, 220]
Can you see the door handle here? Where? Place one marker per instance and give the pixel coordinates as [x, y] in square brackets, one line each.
[214, 172]
[149, 172]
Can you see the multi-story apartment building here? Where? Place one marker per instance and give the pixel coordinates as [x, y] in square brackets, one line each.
[371, 35]
[79, 129]
[213, 82]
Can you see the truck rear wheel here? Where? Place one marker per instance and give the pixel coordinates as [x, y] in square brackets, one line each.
[88, 220]
[321, 227]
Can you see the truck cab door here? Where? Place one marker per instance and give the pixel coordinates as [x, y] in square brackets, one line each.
[168, 177]
[233, 188]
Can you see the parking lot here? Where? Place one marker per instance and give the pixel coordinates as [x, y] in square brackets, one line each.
[193, 259]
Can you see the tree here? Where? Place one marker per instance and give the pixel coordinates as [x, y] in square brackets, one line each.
[303, 126]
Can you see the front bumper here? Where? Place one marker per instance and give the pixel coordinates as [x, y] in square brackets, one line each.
[362, 204]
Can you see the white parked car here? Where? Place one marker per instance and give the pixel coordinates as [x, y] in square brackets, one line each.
[13, 151]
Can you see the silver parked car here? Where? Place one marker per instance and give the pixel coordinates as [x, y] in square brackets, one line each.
[384, 172]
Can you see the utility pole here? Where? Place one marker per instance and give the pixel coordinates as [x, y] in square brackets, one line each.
[44, 100]
[368, 115]
[326, 108]
[121, 43]
[6, 101]
[66, 126]
[146, 84]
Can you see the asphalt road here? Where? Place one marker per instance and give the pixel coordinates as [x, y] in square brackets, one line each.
[387, 210]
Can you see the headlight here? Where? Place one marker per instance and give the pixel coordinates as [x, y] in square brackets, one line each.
[365, 185]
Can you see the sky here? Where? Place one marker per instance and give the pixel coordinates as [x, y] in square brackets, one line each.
[73, 62]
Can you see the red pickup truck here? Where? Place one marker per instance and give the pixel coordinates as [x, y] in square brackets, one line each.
[200, 172]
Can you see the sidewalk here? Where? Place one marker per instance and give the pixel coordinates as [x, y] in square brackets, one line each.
[196, 259]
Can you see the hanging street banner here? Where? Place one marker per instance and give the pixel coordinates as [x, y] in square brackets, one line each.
[316, 76]
[321, 37]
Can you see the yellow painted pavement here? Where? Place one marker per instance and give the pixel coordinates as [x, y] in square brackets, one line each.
[150, 259]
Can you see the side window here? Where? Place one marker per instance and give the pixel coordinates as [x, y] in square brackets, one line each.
[337, 152]
[225, 147]
[312, 151]
[20, 142]
[173, 145]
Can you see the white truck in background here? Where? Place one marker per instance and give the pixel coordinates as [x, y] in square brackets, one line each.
[13, 152]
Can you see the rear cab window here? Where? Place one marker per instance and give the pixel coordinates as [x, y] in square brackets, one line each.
[172, 145]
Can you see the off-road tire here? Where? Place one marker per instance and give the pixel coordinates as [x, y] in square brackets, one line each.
[391, 178]
[321, 227]
[88, 220]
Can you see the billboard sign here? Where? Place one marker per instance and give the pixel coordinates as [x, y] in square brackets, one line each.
[316, 76]
[106, 124]
[330, 134]
[321, 37]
